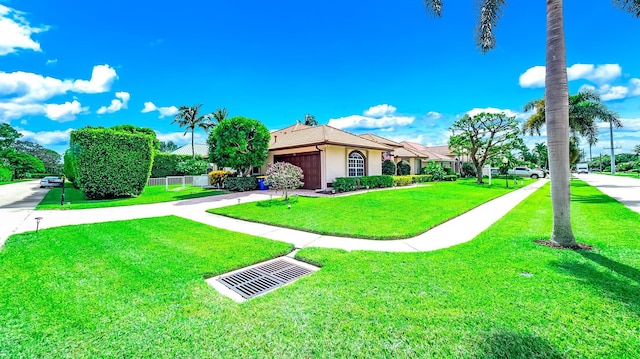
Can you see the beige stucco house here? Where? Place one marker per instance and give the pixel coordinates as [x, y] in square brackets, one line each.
[324, 153]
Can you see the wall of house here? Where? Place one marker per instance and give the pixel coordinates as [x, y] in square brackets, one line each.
[336, 162]
[374, 162]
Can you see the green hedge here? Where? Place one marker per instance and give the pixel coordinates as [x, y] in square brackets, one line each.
[450, 178]
[6, 174]
[402, 180]
[165, 164]
[422, 178]
[241, 184]
[346, 184]
[111, 163]
[69, 166]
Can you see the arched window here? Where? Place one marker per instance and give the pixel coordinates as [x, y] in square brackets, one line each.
[356, 164]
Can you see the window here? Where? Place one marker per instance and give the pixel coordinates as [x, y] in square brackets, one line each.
[356, 164]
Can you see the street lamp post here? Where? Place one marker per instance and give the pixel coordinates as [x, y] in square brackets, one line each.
[505, 162]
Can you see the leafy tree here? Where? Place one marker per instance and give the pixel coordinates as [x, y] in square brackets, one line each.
[540, 150]
[22, 163]
[168, 146]
[189, 117]
[285, 177]
[8, 135]
[51, 159]
[557, 93]
[485, 135]
[388, 167]
[240, 143]
[220, 115]
[435, 170]
[636, 150]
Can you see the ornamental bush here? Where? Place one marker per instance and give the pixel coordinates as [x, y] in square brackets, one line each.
[422, 178]
[241, 184]
[404, 168]
[285, 177]
[450, 178]
[192, 167]
[344, 184]
[402, 180]
[388, 168]
[435, 170]
[111, 163]
[216, 178]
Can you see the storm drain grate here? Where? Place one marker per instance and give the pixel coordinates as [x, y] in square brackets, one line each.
[253, 281]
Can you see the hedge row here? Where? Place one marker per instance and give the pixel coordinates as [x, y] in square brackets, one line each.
[346, 184]
[240, 184]
[110, 163]
[167, 164]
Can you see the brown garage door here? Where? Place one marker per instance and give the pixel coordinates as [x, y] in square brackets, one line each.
[310, 164]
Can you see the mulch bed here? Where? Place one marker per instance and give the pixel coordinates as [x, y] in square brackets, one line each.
[551, 244]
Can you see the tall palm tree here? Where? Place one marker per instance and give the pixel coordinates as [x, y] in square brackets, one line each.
[189, 117]
[557, 97]
[220, 114]
[541, 150]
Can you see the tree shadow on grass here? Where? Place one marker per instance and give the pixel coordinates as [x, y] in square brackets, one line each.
[604, 282]
[509, 344]
[594, 198]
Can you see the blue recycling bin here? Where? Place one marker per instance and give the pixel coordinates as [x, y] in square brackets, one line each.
[261, 185]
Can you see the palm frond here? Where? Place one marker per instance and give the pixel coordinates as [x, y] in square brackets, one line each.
[434, 7]
[490, 12]
[630, 6]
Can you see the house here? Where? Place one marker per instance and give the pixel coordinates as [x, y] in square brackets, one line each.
[198, 148]
[439, 154]
[325, 153]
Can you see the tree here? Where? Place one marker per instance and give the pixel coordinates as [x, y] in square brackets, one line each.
[8, 135]
[190, 118]
[557, 95]
[51, 159]
[540, 150]
[240, 143]
[168, 146]
[388, 167]
[22, 163]
[485, 136]
[310, 120]
[220, 115]
[285, 177]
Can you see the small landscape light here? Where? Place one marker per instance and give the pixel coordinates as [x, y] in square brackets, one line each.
[38, 219]
[238, 200]
[289, 206]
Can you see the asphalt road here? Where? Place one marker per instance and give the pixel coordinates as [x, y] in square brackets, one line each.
[17, 201]
[625, 190]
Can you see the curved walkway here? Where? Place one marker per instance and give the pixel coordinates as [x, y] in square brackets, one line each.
[455, 231]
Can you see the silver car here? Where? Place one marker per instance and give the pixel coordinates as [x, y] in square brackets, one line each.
[50, 182]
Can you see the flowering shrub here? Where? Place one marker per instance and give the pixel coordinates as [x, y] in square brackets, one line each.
[285, 177]
[216, 178]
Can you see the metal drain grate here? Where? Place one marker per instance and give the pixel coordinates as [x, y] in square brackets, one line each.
[251, 282]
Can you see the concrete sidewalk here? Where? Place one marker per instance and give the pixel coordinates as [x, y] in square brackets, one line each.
[455, 231]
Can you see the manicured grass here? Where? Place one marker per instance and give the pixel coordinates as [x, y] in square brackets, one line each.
[150, 194]
[390, 214]
[135, 289]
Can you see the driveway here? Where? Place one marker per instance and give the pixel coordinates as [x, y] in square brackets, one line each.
[17, 201]
[625, 190]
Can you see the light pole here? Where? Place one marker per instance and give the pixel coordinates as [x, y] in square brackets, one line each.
[505, 162]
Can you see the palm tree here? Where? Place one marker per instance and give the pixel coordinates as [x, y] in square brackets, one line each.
[541, 150]
[189, 117]
[557, 98]
[220, 115]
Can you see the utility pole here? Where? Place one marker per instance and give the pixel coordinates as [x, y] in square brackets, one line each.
[613, 158]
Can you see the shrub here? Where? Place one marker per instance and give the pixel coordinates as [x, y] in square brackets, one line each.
[402, 180]
[450, 177]
[625, 166]
[6, 174]
[241, 184]
[344, 184]
[388, 168]
[374, 181]
[422, 178]
[216, 178]
[165, 164]
[69, 166]
[469, 170]
[404, 168]
[285, 177]
[435, 170]
[239, 143]
[110, 163]
[448, 171]
[192, 167]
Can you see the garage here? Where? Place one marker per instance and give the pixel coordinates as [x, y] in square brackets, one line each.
[310, 164]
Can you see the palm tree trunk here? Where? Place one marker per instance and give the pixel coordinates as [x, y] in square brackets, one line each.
[193, 151]
[557, 115]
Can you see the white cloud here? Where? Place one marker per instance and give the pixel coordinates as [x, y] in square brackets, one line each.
[534, 76]
[117, 104]
[608, 92]
[12, 110]
[64, 112]
[45, 138]
[51, 61]
[510, 113]
[380, 117]
[16, 32]
[102, 77]
[380, 110]
[434, 115]
[164, 111]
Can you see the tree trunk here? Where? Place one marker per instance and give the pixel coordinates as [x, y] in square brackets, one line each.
[479, 173]
[557, 115]
[193, 150]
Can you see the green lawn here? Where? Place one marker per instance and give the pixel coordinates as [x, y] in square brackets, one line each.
[135, 289]
[391, 214]
[150, 194]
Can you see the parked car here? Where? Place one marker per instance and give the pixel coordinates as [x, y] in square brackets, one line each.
[51, 181]
[582, 168]
[527, 172]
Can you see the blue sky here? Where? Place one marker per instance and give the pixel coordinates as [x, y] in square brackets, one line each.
[387, 67]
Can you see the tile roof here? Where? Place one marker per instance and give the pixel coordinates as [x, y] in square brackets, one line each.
[382, 140]
[199, 149]
[300, 135]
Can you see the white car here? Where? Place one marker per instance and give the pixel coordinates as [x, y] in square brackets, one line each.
[527, 172]
[51, 181]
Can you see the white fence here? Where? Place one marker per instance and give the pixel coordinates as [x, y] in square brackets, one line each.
[196, 181]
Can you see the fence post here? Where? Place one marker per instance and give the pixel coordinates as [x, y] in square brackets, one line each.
[166, 184]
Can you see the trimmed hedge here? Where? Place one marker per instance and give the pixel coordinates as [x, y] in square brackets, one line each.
[111, 163]
[450, 178]
[402, 180]
[69, 166]
[388, 167]
[422, 178]
[346, 184]
[165, 164]
[404, 168]
[216, 178]
[241, 184]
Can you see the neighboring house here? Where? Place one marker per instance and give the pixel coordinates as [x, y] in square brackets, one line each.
[198, 148]
[324, 153]
[439, 154]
